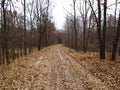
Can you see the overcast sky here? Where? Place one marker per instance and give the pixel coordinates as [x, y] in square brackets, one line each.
[59, 11]
[63, 7]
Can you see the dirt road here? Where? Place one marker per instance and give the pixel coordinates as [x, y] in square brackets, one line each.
[55, 69]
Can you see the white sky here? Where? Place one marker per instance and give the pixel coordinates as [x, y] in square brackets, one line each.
[63, 7]
[59, 12]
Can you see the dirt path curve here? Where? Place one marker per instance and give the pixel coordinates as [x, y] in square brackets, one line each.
[57, 70]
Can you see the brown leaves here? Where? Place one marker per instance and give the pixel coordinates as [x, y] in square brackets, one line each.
[19, 75]
[107, 71]
[61, 66]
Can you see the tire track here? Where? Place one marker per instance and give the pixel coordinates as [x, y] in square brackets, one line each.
[53, 73]
[89, 81]
[69, 80]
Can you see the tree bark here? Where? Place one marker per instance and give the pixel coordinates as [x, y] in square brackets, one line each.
[74, 6]
[104, 31]
[115, 44]
[2, 36]
[99, 29]
[5, 33]
[85, 27]
[24, 41]
[101, 33]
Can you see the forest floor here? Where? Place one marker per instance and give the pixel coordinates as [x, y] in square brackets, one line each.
[60, 68]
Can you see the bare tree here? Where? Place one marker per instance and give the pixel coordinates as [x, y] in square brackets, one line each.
[115, 44]
[104, 31]
[75, 29]
[42, 15]
[24, 41]
[14, 34]
[84, 9]
[2, 25]
[38, 15]
[101, 31]
[31, 23]
[116, 4]
[5, 33]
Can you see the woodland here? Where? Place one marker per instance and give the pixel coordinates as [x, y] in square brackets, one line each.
[91, 30]
[36, 55]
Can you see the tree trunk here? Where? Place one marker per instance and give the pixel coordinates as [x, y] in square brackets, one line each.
[84, 37]
[30, 44]
[85, 27]
[39, 42]
[119, 49]
[24, 44]
[2, 36]
[5, 34]
[99, 30]
[104, 31]
[115, 21]
[74, 3]
[115, 44]
[88, 36]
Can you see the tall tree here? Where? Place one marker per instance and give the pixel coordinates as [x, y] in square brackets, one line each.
[101, 31]
[75, 29]
[5, 33]
[24, 41]
[84, 9]
[2, 41]
[30, 9]
[104, 31]
[115, 44]
[116, 4]
[38, 14]
[46, 23]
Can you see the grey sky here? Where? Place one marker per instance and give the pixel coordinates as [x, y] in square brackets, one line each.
[59, 12]
[63, 7]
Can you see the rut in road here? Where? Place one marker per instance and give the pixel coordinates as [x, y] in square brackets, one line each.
[61, 72]
[55, 69]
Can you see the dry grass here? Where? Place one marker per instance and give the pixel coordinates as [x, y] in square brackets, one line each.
[21, 73]
[15, 75]
[106, 70]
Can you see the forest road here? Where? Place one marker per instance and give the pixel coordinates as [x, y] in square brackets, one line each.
[53, 68]
[58, 70]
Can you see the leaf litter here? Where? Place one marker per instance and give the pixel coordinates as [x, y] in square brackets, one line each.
[60, 68]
